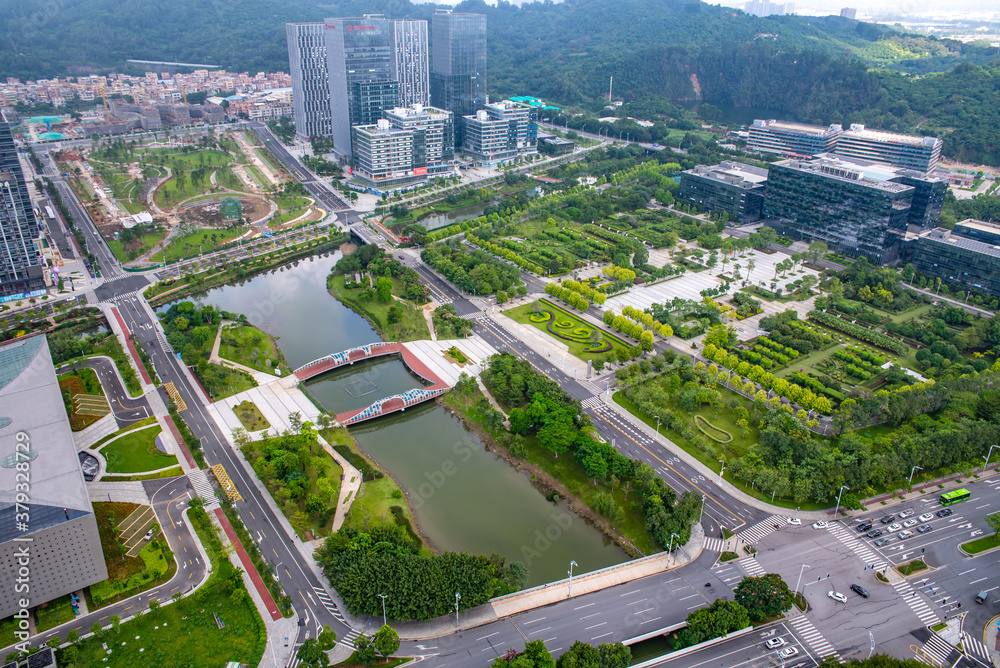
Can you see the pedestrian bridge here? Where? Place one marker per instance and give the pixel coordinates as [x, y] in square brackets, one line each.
[398, 402]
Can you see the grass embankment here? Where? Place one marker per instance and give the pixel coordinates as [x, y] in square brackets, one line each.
[137, 246]
[251, 347]
[186, 633]
[199, 241]
[81, 381]
[411, 326]
[563, 476]
[136, 452]
[569, 330]
[250, 416]
[380, 499]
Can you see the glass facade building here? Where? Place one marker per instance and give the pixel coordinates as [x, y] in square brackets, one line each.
[732, 187]
[371, 99]
[501, 131]
[410, 61]
[794, 139]
[21, 265]
[458, 63]
[957, 257]
[853, 209]
[358, 50]
[917, 153]
[310, 81]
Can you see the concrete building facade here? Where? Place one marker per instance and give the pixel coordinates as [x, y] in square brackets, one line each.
[792, 139]
[411, 62]
[920, 154]
[408, 146]
[501, 131]
[60, 532]
[21, 265]
[307, 64]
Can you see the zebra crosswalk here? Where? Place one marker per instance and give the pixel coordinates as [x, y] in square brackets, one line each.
[714, 544]
[851, 540]
[935, 651]
[327, 602]
[753, 534]
[203, 486]
[917, 604]
[750, 565]
[593, 402]
[976, 648]
[805, 630]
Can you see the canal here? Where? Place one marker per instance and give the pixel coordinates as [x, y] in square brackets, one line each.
[464, 497]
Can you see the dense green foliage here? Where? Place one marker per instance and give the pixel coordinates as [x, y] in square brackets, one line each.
[763, 597]
[542, 409]
[361, 565]
[714, 621]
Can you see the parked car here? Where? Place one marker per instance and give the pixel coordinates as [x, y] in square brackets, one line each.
[924, 528]
[903, 535]
[858, 589]
[944, 512]
[149, 535]
[894, 527]
[837, 596]
[888, 518]
[864, 527]
[906, 513]
[910, 522]
[881, 541]
[775, 643]
[926, 517]
[820, 525]
[874, 533]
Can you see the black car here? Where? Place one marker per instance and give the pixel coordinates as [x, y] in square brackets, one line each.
[924, 528]
[888, 519]
[864, 527]
[881, 541]
[858, 589]
[944, 512]
[874, 533]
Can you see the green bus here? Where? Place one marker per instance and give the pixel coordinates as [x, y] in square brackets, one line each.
[955, 496]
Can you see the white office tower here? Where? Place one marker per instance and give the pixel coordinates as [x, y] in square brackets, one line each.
[310, 82]
[410, 62]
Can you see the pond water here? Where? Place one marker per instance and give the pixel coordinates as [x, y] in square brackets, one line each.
[464, 497]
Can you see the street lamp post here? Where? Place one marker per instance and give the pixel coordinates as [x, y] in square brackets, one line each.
[842, 488]
[383, 597]
[722, 470]
[671, 548]
[799, 581]
[702, 511]
[458, 597]
[657, 424]
[987, 465]
[571, 565]
[909, 483]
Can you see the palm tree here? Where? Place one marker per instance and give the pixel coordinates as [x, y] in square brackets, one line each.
[750, 267]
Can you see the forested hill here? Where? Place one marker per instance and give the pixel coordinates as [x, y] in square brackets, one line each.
[821, 70]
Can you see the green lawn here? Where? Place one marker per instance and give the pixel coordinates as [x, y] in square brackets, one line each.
[291, 202]
[981, 544]
[54, 613]
[258, 176]
[146, 242]
[412, 327]
[188, 161]
[250, 416]
[575, 327]
[268, 159]
[251, 347]
[169, 193]
[136, 452]
[185, 633]
[226, 177]
[196, 242]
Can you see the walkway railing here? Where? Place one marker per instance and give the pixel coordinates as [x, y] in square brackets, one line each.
[391, 404]
[347, 357]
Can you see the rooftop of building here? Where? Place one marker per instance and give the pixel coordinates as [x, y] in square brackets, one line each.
[383, 128]
[950, 238]
[981, 225]
[736, 173]
[872, 174]
[880, 168]
[416, 111]
[859, 131]
[32, 413]
[798, 128]
[504, 105]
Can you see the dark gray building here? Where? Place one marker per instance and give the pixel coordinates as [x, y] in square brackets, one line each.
[358, 50]
[21, 265]
[310, 81]
[733, 187]
[60, 533]
[968, 255]
[855, 209]
[458, 64]
[372, 99]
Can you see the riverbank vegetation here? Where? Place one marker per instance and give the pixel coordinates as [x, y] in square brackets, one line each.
[249, 346]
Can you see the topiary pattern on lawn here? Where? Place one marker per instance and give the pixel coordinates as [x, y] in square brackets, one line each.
[717, 434]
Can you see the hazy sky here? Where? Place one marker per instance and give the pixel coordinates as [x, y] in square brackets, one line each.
[972, 9]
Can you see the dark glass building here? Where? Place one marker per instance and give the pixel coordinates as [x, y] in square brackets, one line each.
[372, 98]
[968, 255]
[854, 209]
[358, 50]
[732, 187]
[21, 266]
[458, 64]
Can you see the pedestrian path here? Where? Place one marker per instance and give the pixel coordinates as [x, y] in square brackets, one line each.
[805, 630]
[714, 544]
[202, 485]
[752, 567]
[917, 604]
[593, 402]
[976, 648]
[851, 540]
[761, 529]
[936, 649]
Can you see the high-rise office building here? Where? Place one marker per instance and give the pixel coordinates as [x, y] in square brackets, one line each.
[792, 139]
[406, 147]
[310, 81]
[410, 62]
[968, 255]
[21, 266]
[907, 151]
[501, 131]
[371, 99]
[768, 8]
[458, 64]
[855, 209]
[358, 50]
[849, 13]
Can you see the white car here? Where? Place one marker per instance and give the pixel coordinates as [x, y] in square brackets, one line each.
[903, 535]
[775, 643]
[149, 535]
[926, 517]
[788, 652]
[896, 526]
[906, 513]
[820, 525]
[794, 520]
[837, 596]
[910, 522]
